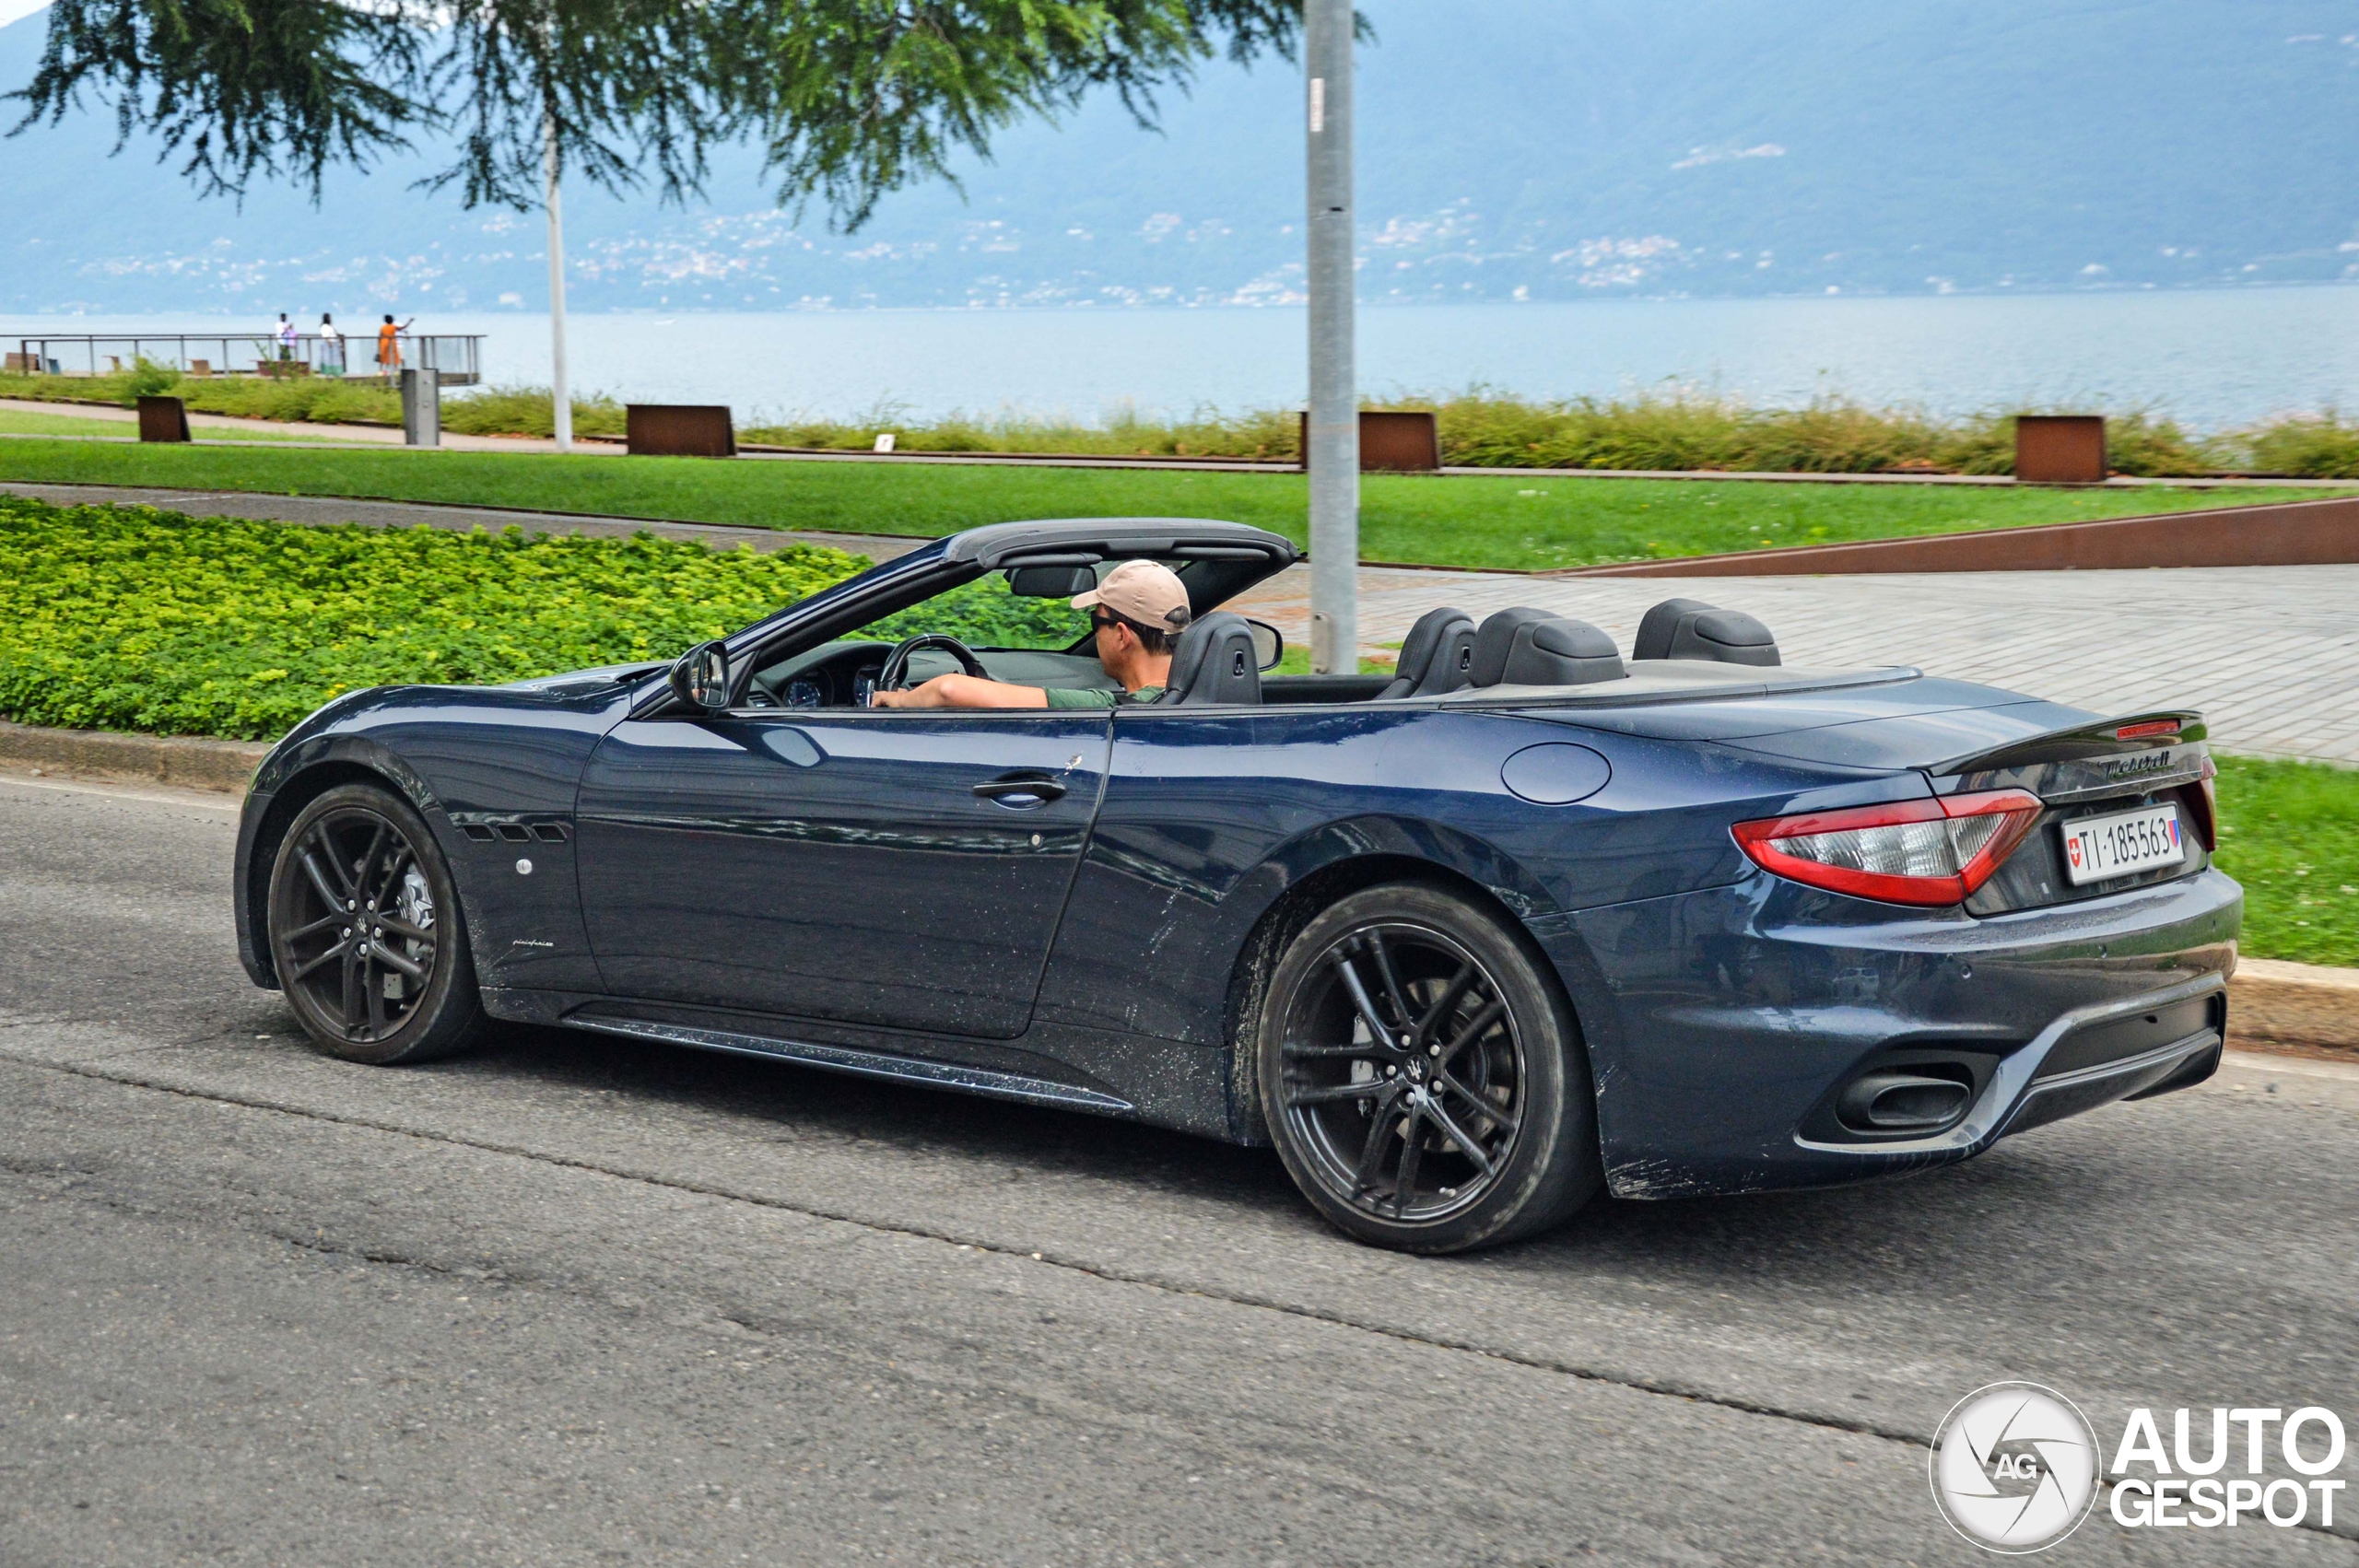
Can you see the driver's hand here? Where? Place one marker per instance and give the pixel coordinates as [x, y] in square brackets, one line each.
[925, 694]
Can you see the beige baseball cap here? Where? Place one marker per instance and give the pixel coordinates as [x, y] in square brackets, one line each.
[1146, 592]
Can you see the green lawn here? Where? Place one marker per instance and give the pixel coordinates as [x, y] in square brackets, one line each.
[2289, 831]
[1515, 521]
[14, 422]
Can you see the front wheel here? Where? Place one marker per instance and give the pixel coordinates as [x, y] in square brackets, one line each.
[1422, 1078]
[366, 931]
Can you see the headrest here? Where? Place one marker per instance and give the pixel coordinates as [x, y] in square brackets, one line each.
[1436, 656]
[1561, 654]
[1532, 647]
[1496, 637]
[1214, 661]
[1689, 628]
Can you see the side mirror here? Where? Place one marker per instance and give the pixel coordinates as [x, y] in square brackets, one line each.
[1049, 582]
[1268, 644]
[700, 677]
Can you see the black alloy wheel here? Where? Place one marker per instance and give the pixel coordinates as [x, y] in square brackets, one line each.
[1421, 1076]
[365, 933]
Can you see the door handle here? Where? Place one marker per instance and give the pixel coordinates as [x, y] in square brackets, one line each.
[1041, 789]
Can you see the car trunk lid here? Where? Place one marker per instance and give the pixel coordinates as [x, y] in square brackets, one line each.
[2079, 766]
[2113, 765]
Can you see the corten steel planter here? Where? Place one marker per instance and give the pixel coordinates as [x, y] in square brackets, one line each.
[680, 429]
[2288, 533]
[2059, 449]
[163, 419]
[1392, 441]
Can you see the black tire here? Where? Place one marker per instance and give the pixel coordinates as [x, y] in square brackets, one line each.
[1446, 1107]
[398, 987]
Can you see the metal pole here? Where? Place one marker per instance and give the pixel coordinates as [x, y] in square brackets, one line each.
[1332, 455]
[560, 397]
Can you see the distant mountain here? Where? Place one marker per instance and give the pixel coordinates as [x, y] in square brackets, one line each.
[1508, 149]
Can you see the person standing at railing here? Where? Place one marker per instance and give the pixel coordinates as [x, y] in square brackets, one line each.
[286, 338]
[389, 347]
[331, 347]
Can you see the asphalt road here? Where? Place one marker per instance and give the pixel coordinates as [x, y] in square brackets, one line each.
[574, 1300]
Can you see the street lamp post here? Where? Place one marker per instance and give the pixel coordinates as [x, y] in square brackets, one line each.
[1332, 453]
[561, 398]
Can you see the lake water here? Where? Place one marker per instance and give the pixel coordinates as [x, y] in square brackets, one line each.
[2213, 359]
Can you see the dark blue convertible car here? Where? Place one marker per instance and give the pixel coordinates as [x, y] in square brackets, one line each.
[1533, 919]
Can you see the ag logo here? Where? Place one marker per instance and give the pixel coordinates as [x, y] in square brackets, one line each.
[2014, 1468]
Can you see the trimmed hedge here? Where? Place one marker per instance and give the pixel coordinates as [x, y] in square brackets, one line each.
[135, 618]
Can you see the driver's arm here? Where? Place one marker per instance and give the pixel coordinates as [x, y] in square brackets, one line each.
[962, 691]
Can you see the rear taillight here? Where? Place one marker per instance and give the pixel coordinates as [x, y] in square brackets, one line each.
[2205, 800]
[1928, 852]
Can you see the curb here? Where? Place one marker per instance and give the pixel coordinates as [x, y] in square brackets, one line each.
[186, 761]
[2272, 1005]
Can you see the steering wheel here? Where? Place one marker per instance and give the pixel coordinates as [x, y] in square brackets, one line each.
[896, 672]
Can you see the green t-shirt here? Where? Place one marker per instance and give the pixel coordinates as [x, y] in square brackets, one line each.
[1068, 696]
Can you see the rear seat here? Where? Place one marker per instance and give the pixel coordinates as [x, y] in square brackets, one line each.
[1689, 628]
[1524, 647]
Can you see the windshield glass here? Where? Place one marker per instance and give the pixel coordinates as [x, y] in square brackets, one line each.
[983, 613]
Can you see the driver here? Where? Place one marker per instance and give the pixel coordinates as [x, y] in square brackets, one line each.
[1137, 614]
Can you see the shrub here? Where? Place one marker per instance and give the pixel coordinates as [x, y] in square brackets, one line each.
[1680, 428]
[148, 379]
[527, 411]
[133, 618]
[2319, 447]
[1267, 434]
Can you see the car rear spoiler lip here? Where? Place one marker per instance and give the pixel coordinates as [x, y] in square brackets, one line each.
[2080, 760]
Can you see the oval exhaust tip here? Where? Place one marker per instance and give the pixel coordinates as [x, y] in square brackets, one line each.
[1902, 1102]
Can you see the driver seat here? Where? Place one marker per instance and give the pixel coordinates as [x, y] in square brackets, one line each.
[1214, 661]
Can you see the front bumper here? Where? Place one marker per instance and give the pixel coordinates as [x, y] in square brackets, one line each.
[1720, 1024]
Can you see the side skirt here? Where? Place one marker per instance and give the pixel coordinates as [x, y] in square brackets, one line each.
[865, 1064]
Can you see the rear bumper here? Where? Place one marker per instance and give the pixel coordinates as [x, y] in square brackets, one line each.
[1722, 1024]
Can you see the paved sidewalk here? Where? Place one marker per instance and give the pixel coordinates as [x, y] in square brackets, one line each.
[2270, 654]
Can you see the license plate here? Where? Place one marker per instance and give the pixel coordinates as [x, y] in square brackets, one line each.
[2097, 848]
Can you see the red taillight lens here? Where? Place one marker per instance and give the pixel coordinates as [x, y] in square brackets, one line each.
[1928, 852]
[2206, 802]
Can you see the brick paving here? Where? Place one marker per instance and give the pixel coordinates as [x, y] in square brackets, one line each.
[2269, 654]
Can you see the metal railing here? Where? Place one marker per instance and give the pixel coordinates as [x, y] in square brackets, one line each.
[459, 358]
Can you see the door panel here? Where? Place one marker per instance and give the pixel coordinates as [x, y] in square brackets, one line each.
[839, 865]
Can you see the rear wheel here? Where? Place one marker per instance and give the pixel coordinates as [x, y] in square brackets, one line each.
[366, 933]
[1422, 1078]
